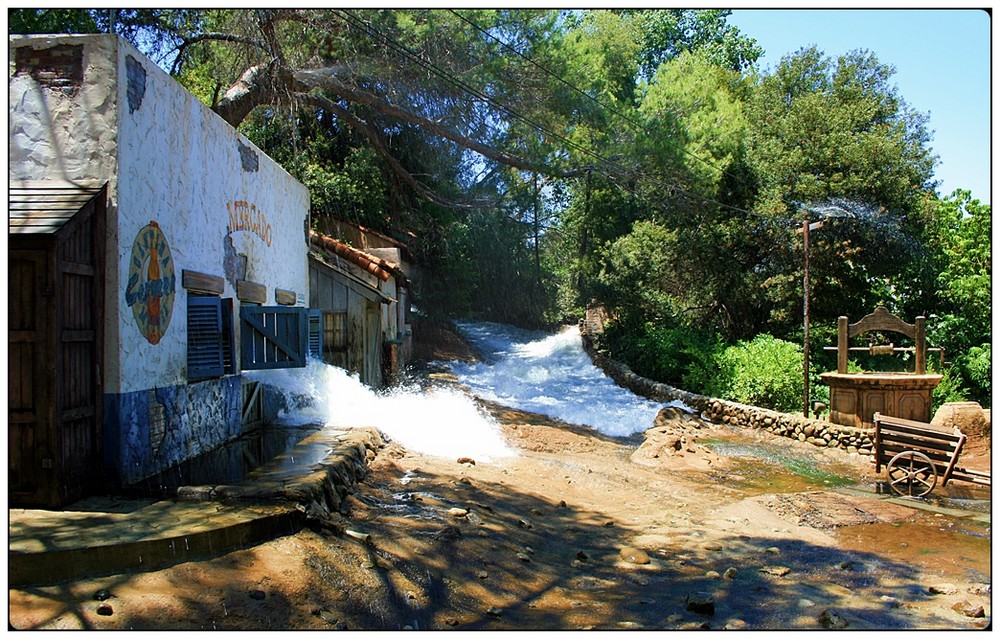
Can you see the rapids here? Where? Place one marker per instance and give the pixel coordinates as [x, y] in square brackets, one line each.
[537, 372]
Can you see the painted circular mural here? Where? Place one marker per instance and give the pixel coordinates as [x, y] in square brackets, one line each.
[151, 280]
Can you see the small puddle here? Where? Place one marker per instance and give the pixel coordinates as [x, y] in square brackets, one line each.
[230, 463]
[777, 467]
[947, 547]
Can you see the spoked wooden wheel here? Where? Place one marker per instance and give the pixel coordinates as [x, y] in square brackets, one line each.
[911, 474]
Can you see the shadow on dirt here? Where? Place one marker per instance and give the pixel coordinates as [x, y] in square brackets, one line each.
[454, 553]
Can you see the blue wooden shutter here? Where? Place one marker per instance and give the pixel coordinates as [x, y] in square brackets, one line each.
[204, 337]
[273, 337]
[316, 333]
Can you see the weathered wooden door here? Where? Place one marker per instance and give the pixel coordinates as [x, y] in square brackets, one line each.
[31, 377]
[373, 343]
[79, 351]
[55, 345]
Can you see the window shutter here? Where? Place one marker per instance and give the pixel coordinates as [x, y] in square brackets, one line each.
[228, 337]
[273, 337]
[316, 333]
[205, 357]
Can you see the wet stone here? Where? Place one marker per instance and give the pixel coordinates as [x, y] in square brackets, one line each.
[102, 595]
[494, 611]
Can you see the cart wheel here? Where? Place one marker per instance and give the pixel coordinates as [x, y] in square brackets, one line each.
[911, 473]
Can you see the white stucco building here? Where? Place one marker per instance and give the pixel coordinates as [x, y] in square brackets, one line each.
[157, 253]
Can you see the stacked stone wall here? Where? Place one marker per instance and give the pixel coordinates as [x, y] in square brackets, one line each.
[814, 431]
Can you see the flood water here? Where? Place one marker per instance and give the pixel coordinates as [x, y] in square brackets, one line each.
[552, 375]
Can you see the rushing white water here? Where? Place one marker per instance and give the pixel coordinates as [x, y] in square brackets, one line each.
[443, 422]
[551, 375]
[532, 371]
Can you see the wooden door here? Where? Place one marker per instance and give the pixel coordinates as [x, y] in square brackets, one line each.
[31, 413]
[373, 343]
[79, 327]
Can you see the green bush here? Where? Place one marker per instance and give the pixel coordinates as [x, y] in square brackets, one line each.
[677, 355]
[765, 372]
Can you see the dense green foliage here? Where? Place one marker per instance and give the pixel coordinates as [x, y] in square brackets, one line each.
[537, 161]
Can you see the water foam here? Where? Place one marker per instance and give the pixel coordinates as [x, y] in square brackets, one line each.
[551, 375]
[437, 421]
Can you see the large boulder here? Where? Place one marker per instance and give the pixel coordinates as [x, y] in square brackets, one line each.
[672, 442]
[968, 417]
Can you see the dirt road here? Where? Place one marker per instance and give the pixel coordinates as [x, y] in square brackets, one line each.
[579, 531]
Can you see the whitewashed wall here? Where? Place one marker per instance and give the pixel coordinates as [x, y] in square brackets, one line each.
[219, 206]
[182, 166]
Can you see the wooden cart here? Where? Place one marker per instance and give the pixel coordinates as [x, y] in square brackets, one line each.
[917, 454]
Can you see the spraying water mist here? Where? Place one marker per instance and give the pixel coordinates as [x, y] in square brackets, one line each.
[443, 422]
[531, 371]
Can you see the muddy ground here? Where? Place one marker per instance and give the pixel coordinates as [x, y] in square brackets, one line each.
[580, 531]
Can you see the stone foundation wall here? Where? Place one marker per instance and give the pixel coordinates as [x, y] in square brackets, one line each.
[814, 431]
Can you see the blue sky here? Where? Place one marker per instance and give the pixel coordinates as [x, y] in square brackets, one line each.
[942, 59]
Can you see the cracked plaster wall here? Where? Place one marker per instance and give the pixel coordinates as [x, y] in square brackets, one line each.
[216, 198]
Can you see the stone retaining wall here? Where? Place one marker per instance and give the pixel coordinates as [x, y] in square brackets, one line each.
[814, 431]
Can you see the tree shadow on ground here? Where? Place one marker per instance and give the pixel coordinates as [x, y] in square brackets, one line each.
[515, 561]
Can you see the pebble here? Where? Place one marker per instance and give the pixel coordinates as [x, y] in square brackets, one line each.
[524, 523]
[494, 611]
[102, 595]
[634, 555]
[467, 460]
[968, 609]
[712, 546]
[451, 621]
[777, 571]
[458, 512]
[773, 550]
[259, 595]
[831, 620]
[730, 573]
[700, 603]
[735, 624]
[943, 589]
[711, 574]
[482, 574]
[524, 557]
